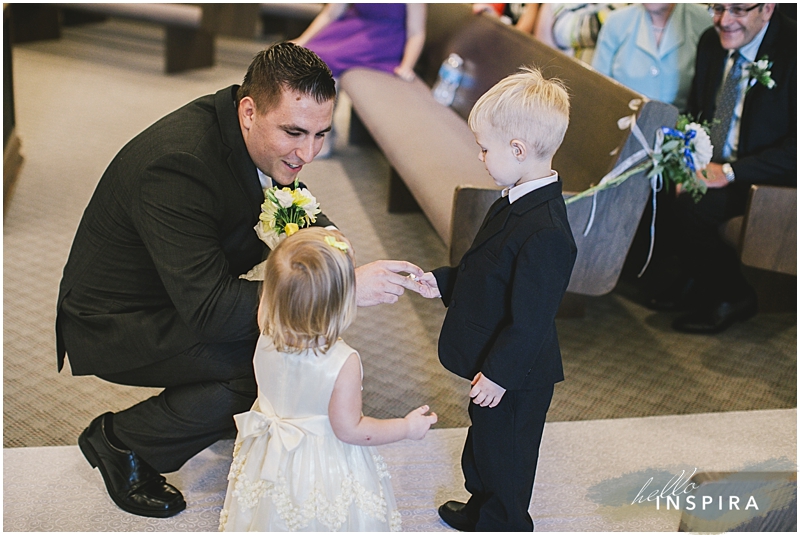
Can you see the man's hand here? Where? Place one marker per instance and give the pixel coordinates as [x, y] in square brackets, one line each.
[714, 178]
[380, 281]
[486, 392]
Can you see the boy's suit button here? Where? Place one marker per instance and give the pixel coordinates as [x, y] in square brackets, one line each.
[462, 267]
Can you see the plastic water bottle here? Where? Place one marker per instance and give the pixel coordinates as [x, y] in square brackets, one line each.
[450, 74]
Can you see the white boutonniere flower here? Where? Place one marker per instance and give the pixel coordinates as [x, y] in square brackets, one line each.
[759, 72]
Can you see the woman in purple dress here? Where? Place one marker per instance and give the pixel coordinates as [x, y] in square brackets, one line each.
[385, 37]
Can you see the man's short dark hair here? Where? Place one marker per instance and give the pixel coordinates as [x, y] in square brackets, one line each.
[286, 66]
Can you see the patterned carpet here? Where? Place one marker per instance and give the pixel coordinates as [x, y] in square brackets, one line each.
[79, 99]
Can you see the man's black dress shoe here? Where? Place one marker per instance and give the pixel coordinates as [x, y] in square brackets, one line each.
[133, 484]
[716, 318]
[455, 515]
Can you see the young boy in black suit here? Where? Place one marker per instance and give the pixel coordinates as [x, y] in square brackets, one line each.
[502, 300]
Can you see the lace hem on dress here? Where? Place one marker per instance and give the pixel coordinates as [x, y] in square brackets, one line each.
[332, 515]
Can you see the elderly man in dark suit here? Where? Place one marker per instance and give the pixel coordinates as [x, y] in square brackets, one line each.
[755, 142]
[151, 294]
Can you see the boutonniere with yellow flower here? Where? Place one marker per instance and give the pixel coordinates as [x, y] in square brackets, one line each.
[284, 212]
[759, 72]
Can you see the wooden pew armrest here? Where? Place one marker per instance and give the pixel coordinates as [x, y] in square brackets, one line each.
[470, 205]
[769, 229]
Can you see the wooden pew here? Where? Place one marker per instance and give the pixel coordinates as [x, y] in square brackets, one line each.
[433, 154]
[766, 238]
[189, 29]
[12, 147]
[287, 19]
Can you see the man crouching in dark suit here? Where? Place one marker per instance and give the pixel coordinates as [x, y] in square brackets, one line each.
[754, 133]
[502, 300]
[151, 294]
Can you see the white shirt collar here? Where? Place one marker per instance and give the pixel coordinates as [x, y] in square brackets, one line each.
[266, 182]
[516, 192]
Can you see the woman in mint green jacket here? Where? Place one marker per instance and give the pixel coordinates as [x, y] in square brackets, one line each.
[651, 48]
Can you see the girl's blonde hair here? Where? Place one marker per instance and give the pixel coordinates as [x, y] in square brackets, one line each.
[525, 105]
[308, 297]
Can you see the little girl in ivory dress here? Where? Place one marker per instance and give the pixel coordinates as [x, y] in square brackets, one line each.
[302, 459]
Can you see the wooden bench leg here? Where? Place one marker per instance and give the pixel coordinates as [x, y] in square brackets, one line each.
[76, 17]
[776, 292]
[359, 135]
[188, 48]
[400, 199]
[287, 27]
[12, 163]
[34, 22]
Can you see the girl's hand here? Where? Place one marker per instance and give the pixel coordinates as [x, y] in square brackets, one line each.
[419, 423]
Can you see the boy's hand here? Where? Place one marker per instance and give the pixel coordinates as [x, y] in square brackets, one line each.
[419, 422]
[486, 392]
[428, 287]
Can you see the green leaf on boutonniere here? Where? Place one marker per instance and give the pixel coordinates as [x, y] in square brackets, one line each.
[759, 72]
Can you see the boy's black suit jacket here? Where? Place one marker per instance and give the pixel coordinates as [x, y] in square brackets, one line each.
[503, 296]
[155, 262]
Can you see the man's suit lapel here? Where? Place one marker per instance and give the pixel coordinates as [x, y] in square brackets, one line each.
[767, 48]
[239, 162]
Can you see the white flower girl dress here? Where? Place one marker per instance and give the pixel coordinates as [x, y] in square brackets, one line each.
[290, 472]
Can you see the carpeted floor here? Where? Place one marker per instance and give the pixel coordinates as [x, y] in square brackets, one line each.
[79, 99]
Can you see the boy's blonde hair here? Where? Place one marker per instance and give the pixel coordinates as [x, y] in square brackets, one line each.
[526, 106]
[309, 291]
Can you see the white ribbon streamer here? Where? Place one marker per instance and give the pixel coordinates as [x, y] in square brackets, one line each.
[614, 173]
[656, 184]
[627, 163]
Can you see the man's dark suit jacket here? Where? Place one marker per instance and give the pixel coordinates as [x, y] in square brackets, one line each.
[503, 296]
[767, 151]
[155, 262]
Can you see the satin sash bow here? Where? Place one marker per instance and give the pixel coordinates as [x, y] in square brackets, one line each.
[282, 433]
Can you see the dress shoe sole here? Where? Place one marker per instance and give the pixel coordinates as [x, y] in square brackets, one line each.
[94, 460]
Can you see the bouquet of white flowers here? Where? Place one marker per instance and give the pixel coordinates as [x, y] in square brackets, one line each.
[679, 153]
[284, 212]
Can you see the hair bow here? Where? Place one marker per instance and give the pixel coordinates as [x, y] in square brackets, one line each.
[333, 242]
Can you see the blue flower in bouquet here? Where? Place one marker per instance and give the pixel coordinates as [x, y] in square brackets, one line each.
[679, 153]
[677, 157]
[685, 150]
